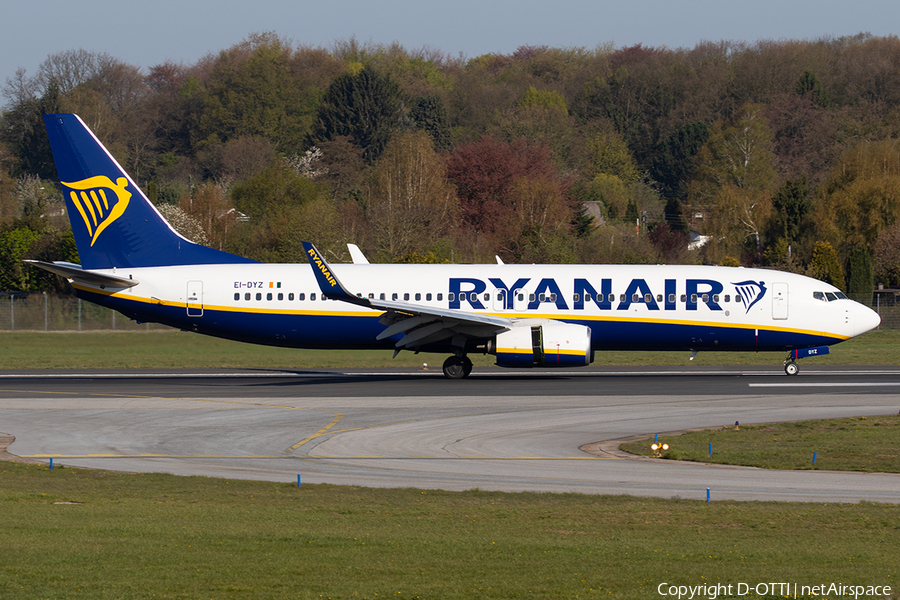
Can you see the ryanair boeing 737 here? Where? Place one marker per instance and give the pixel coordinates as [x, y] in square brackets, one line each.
[525, 315]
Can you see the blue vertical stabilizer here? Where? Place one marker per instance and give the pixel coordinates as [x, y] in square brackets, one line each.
[114, 223]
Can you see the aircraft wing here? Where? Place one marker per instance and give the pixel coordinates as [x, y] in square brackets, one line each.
[421, 324]
[74, 272]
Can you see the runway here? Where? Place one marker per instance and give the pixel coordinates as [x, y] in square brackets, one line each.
[498, 430]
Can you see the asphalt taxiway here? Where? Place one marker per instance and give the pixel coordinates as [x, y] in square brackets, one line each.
[497, 430]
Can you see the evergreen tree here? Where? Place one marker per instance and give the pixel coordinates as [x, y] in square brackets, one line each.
[364, 107]
[826, 266]
[860, 274]
[430, 114]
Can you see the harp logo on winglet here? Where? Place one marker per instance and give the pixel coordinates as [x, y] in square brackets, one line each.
[99, 201]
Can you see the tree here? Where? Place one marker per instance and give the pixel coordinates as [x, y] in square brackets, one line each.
[861, 197]
[365, 107]
[887, 256]
[734, 177]
[826, 266]
[860, 276]
[430, 114]
[15, 244]
[410, 203]
[485, 171]
[791, 204]
[251, 91]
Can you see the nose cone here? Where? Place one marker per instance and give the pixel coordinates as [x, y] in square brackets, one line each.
[863, 319]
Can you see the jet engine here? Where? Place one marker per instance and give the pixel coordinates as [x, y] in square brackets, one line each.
[543, 343]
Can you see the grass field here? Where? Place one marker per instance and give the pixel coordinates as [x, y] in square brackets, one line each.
[856, 444]
[177, 349]
[71, 533]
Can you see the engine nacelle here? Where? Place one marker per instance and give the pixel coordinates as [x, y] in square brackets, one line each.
[543, 343]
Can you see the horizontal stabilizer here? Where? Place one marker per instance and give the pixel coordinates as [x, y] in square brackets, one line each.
[76, 273]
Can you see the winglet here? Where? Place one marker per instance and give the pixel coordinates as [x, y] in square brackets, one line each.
[327, 280]
[357, 255]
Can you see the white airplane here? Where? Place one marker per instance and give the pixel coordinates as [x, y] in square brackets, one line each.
[525, 315]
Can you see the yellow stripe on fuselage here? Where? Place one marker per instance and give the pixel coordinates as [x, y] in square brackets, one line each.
[551, 316]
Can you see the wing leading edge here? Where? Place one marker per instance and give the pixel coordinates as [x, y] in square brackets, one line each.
[420, 324]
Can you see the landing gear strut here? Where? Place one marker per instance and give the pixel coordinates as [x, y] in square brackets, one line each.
[457, 367]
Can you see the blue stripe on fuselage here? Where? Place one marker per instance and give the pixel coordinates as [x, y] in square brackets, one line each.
[309, 329]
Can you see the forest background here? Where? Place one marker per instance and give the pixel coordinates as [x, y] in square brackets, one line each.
[775, 153]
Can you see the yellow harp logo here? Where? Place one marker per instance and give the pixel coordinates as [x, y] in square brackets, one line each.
[99, 201]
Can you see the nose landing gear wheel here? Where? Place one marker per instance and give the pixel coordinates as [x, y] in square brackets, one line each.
[791, 368]
[457, 367]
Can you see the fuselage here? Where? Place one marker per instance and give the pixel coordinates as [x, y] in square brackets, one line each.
[626, 307]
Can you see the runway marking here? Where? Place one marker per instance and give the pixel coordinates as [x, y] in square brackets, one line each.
[314, 456]
[822, 385]
[510, 373]
[319, 433]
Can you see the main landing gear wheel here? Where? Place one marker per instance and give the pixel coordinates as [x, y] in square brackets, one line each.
[791, 368]
[457, 367]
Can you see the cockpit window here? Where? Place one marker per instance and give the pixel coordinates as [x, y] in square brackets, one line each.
[841, 295]
[831, 297]
[819, 296]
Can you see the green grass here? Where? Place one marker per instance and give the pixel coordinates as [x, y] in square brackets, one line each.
[161, 536]
[855, 444]
[177, 349]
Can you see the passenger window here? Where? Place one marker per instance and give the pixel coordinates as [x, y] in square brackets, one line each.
[371, 296]
[451, 296]
[473, 297]
[705, 298]
[394, 296]
[648, 298]
[291, 296]
[552, 297]
[418, 296]
[428, 297]
[611, 298]
[237, 295]
[487, 297]
[441, 297]
[258, 296]
[312, 296]
[301, 296]
[247, 296]
[521, 297]
[683, 298]
[406, 296]
[531, 297]
[693, 298]
[634, 298]
[715, 297]
[280, 296]
[622, 298]
[671, 298]
[576, 297]
[381, 296]
[659, 297]
[541, 297]
[727, 298]
[269, 296]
